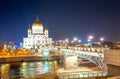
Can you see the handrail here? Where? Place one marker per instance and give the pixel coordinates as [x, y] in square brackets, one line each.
[81, 74]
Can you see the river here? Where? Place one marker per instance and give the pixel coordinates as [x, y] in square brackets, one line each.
[18, 70]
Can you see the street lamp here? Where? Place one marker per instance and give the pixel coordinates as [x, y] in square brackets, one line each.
[75, 39]
[79, 41]
[90, 38]
[67, 40]
[101, 39]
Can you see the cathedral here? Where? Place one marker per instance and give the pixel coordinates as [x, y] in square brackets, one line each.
[38, 36]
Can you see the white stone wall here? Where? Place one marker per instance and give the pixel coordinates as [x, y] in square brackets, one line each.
[36, 39]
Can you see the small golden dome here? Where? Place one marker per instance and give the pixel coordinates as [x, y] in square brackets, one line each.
[46, 29]
[29, 28]
[37, 23]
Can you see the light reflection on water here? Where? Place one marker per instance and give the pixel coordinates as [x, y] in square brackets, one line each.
[27, 69]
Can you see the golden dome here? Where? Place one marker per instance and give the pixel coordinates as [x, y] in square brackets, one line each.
[37, 23]
[29, 28]
[46, 29]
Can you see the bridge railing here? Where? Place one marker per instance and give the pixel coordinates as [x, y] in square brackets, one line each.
[98, 50]
[81, 74]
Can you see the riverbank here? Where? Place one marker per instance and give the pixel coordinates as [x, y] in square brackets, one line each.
[28, 58]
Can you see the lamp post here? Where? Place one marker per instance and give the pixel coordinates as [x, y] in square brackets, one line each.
[90, 38]
[67, 42]
[75, 40]
[79, 41]
[101, 40]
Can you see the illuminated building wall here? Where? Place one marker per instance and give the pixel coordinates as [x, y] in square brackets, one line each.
[38, 36]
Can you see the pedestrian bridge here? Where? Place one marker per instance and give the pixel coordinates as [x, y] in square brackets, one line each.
[94, 55]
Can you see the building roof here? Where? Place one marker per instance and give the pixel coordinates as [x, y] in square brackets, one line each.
[29, 28]
[37, 23]
[46, 29]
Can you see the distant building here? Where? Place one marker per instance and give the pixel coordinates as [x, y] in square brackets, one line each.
[38, 36]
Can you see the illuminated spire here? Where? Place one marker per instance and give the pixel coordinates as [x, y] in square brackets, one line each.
[37, 17]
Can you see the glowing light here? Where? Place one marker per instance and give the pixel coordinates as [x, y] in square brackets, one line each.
[67, 40]
[88, 40]
[90, 37]
[79, 41]
[101, 39]
[75, 39]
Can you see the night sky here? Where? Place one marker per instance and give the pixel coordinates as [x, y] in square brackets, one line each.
[64, 18]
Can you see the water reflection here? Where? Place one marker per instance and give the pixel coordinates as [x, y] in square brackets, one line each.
[27, 69]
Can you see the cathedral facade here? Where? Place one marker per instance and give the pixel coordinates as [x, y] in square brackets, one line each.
[38, 36]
